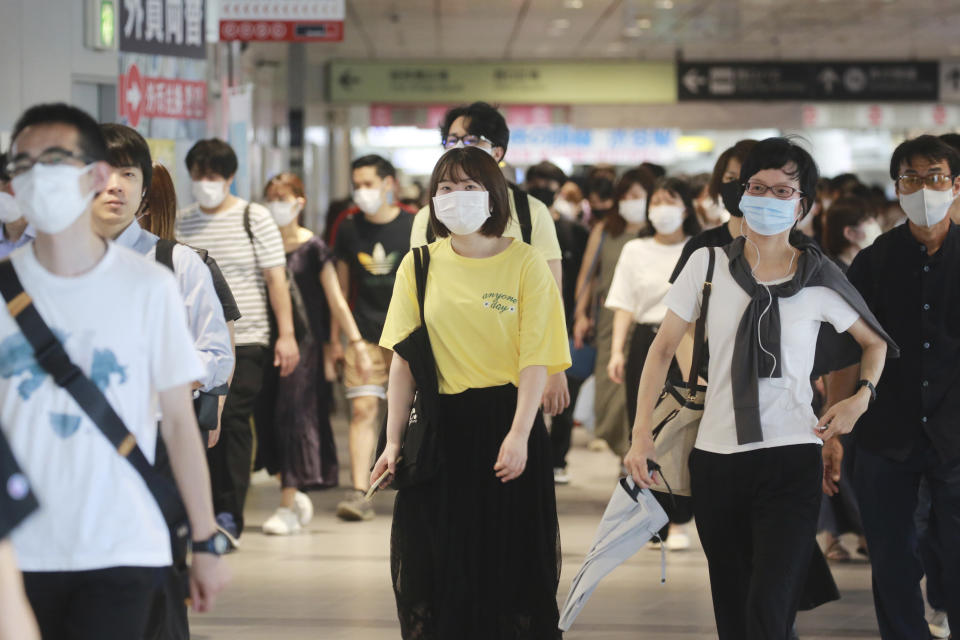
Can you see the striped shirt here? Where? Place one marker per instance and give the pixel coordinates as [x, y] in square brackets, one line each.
[223, 236]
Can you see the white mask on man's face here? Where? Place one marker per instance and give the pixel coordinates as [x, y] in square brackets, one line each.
[927, 207]
[50, 197]
[209, 194]
[9, 211]
[368, 199]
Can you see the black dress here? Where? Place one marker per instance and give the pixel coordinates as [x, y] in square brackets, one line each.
[294, 436]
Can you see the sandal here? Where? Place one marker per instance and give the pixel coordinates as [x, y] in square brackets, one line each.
[837, 553]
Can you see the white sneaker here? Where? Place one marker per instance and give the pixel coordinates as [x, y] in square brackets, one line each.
[678, 541]
[939, 625]
[560, 476]
[303, 507]
[283, 522]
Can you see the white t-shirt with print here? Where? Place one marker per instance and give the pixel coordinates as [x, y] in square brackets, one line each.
[642, 278]
[786, 415]
[124, 324]
[223, 236]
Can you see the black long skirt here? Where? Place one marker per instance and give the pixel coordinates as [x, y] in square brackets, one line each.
[471, 557]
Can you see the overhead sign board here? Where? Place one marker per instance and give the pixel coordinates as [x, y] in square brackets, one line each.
[162, 27]
[282, 20]
[506, 82]
[149, 97]
[823, 81]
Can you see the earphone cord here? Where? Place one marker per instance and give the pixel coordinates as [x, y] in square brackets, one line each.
[753, 272]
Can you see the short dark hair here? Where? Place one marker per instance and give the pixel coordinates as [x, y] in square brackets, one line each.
[127, 148]
[613, 222]
[212, 155]
[383, 166]
[780, 153]
[952, 139]
[926, 146]
[478, 165]
[658, 170]
[483, 119]
[738, 152]
[4, 176]
[683, 189]
[89, 138]
[844, 183]
[545, 171]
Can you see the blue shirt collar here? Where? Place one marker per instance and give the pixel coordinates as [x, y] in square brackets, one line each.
[136, 238]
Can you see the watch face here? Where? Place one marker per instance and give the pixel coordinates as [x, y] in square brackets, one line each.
[220, 543]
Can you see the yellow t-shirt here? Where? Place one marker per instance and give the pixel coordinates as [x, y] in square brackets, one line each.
[488, 318]
[543, 232]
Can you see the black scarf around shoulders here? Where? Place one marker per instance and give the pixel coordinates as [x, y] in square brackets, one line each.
[750, 362]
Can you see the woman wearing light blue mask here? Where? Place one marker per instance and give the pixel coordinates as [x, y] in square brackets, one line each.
[757, 458]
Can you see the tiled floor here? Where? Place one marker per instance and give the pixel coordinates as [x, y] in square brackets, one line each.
[332, 582]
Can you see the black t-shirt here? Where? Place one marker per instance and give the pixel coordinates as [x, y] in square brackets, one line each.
[373, 253]
[230, 309]
[716, 237]
[16, 500]
[573, 244]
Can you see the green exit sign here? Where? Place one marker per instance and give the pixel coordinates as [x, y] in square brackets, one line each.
[101, 31]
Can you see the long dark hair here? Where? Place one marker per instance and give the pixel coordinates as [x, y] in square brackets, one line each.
[161, 204]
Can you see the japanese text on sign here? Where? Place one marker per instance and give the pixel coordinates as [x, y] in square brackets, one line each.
[163, 27]
[145, 97]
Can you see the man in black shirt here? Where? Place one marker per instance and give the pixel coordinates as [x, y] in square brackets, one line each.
[912, 430]
[369, 247]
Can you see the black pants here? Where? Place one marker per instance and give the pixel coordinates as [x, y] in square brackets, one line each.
[106, 603]
[561, 428]
[926, 521]
[643, 335]
[887, 491]
[757, 518]
[231, 459]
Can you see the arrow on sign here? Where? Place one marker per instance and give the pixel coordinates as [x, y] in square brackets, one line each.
[693, 80]
[347, 80]
[828, 78]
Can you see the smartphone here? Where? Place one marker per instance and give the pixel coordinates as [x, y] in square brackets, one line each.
[376, 484]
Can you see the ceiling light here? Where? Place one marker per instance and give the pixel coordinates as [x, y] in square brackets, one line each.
[573, 4]
[664, 4]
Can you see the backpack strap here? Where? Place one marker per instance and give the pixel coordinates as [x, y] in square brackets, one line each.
[249, 230]
[164, 252]
[521, 202]
[53, 359]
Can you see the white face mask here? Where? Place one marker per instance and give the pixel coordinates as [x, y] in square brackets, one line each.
[871, 231]
[209, 194]
[462, 212]
[666, 218]
[49, 196]
[461, 145]
[283, 212]
[926, 207]
[9, 211]
[633, 211]
[715, 212]
[566, 208]
[368, 199]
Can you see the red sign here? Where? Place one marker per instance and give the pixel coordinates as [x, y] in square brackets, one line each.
[282, 30]
[142, 97]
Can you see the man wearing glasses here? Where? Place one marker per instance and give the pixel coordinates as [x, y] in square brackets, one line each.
[481, 125]
[909, 277]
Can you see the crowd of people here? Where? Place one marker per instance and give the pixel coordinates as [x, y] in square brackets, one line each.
[476, 311]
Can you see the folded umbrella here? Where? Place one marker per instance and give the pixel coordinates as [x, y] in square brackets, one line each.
[633, 516]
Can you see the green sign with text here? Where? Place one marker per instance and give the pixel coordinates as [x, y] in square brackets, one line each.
[505, 82]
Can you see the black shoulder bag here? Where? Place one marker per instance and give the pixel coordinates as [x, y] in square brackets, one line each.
[301, 321]
[419, 458]
[207, 403]
[55, 361]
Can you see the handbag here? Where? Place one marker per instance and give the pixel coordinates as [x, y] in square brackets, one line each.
[168, 616]
[419, 458]
[301, 321]
[676, 417]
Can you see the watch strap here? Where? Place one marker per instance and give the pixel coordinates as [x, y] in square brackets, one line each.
[868, 385]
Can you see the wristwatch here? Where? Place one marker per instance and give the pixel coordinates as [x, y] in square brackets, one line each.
[217, 544]
[868, 385]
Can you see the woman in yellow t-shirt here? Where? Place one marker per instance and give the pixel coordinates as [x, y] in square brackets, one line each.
[475, 552]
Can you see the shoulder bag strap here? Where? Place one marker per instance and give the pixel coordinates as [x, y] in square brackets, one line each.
[421, 263]
[699, 333]
[53, 359]
[164, 252]
[246, 227]
[522, 203]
